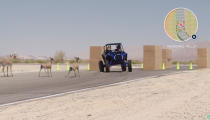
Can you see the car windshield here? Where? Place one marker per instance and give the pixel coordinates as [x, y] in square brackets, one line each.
[117, 47]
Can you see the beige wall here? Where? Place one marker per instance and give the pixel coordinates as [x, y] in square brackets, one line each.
[152, 57]
[203, 60]
[167, 57]
[95, 57]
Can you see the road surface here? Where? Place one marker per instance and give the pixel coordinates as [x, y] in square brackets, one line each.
[25, 86]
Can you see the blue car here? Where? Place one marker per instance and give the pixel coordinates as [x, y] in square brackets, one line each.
[114, 55]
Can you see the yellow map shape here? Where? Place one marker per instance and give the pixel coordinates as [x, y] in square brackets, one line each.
[171, 22]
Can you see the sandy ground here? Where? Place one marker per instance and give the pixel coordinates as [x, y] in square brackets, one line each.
[23, 68]
[184, 96]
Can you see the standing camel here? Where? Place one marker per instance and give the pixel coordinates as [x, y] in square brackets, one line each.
[7, 62]
[47, 67]
[74, 67]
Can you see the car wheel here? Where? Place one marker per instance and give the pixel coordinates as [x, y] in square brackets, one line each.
[107, 68]
[101, 66]
[123, 68]
[129, 66]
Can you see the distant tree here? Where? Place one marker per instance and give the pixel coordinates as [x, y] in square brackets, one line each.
[59, 56]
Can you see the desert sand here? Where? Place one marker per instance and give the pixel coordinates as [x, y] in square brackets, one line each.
[24, 68]
[183, 96]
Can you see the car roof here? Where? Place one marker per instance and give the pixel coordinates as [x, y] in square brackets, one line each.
[114, 44]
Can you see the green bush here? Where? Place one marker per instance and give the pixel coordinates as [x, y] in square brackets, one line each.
[41, 61]
[29, 61]
[17, 61]
[184, 62]
[59, 56]
[136, 62]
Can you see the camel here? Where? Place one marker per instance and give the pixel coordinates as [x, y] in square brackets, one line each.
[74, 67]
[47, 67]
[7, 62]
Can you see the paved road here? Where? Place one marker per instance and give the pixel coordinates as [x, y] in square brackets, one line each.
[25, 86]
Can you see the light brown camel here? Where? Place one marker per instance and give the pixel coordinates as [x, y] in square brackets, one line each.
[47, 67]
[74, 67]
[7, 62]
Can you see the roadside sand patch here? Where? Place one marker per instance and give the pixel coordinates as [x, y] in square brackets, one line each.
[184, 96]
[24, 68]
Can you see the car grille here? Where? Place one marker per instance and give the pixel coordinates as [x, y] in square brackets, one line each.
[118, 58]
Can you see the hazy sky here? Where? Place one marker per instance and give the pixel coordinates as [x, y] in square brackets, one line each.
[40, 27]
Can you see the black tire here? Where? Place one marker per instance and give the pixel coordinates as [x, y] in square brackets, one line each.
[123, 68]
[129, 66]
[101, 66]
[107, 68]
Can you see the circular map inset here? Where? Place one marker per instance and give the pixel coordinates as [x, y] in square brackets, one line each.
[181, 24]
